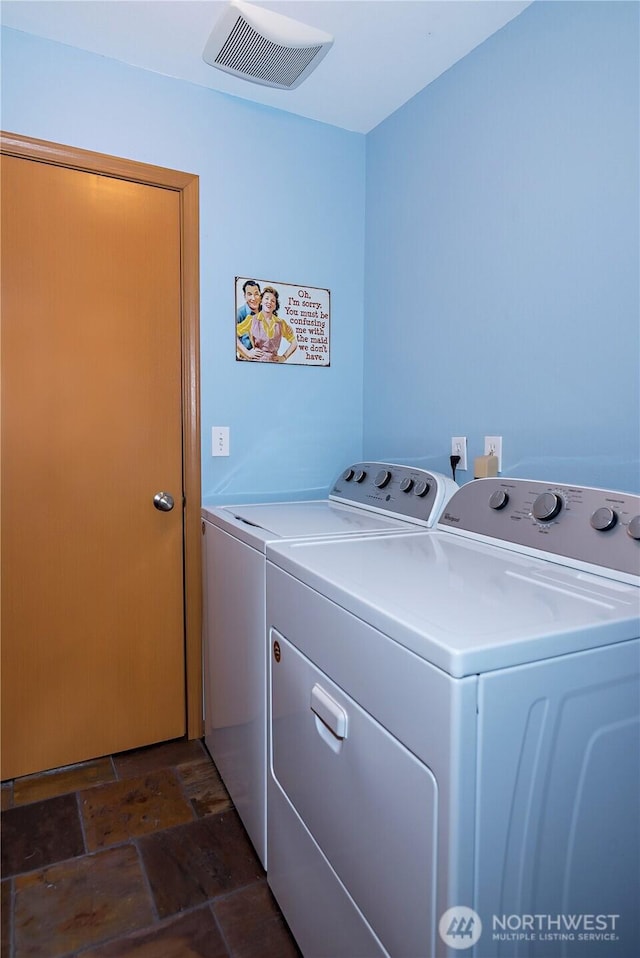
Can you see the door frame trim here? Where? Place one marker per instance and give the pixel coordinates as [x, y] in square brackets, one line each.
[187, 185]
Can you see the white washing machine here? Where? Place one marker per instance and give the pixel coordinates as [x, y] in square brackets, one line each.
[368, 498]
[454, 758]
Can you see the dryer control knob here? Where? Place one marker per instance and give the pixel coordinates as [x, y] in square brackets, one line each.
[498, 499]
[382, 479]
[347, 475]
[406, 485]
[604, 519]
[360, 475]
[633, 529]
[421, 488]
[547, 506]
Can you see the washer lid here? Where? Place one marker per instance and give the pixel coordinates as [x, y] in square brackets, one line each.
[257, 524]
[465, 606]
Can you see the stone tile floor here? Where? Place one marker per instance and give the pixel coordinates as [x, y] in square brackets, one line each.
[137, 855]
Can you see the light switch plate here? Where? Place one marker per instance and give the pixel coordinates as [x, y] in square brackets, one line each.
[220, 441]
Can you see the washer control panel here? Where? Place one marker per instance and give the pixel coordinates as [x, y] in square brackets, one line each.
[595, 527]
[405, 492]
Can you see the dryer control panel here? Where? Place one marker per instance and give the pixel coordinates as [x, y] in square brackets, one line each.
[405, 492]
[577, 525]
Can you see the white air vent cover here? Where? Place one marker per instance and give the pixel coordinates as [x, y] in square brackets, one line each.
[265, 47]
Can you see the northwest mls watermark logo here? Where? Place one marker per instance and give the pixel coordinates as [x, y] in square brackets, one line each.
[460, 927]
[586, 928]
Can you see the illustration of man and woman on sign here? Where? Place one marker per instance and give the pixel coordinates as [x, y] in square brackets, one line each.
[259, 330]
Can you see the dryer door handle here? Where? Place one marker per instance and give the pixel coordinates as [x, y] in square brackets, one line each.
[329, 712]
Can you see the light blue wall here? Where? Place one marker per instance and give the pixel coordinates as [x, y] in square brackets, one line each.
[501, 242]
[502, 254]
[281, 197]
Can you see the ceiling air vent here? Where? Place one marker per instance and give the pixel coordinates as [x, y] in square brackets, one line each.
[265, 47]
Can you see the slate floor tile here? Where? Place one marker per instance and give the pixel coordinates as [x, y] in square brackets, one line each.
[252, 924]
[141, 761]
[40, 834]
[204, 787]
[72, 905]
[191, 863]
[6, 796]
[118, 811]
[152, 864]
[194, 935]
[33, 788]
[5, 918]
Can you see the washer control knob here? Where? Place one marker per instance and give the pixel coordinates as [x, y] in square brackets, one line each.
[604, 519]
[360, 475]
[347, 475]
[382, 478]
[547, 506]
[498, 499]
[421, 488]
[633, 529]
[407, 484]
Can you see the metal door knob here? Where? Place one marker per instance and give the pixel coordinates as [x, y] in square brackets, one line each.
[163, 501]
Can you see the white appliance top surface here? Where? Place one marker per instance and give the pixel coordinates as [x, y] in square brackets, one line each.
[266, 522]
[465, 606]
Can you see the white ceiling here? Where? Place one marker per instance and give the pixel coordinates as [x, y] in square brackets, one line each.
[385, 51]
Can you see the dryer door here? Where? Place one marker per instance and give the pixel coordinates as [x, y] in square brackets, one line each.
[368, 803]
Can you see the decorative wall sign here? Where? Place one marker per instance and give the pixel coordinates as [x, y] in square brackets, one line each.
[282, 322]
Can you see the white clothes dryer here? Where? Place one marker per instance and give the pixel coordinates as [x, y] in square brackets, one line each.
[368, 498]
[454, 760]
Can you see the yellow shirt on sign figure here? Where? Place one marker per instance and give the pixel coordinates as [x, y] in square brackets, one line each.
[267, 331]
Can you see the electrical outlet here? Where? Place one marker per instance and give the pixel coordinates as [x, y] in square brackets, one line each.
[220, 441]
[493, 447]
[459, 448]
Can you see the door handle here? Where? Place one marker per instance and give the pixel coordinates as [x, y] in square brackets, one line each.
[163, 501]
[332, 715]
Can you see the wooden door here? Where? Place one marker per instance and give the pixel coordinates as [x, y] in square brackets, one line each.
[93, 611]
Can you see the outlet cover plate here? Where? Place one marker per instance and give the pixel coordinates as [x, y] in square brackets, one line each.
[493, 447]
[459, 448]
